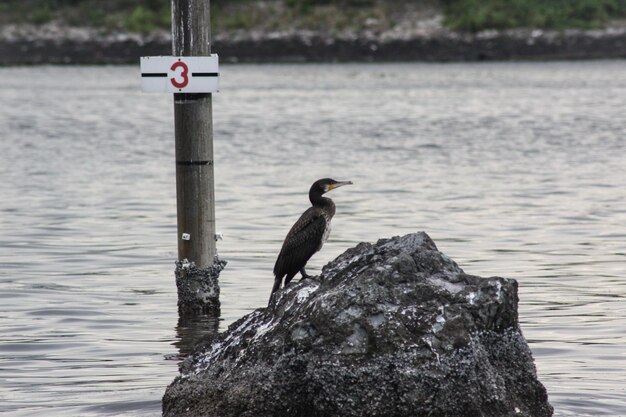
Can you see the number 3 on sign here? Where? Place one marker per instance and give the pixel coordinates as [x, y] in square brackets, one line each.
[184, 74]
[179, 74]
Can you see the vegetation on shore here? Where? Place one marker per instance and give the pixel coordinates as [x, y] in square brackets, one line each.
[475, 15]
[132, 15]
[470, 15]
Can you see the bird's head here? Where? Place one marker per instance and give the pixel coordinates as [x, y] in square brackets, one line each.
[326, 184]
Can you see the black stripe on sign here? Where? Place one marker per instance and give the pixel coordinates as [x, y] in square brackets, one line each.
[205, 74]
[191, 163]
[154, 74]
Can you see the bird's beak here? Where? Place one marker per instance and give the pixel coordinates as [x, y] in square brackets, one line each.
[339, 184]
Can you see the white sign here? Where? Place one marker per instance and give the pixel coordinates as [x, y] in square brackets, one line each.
[180, 74]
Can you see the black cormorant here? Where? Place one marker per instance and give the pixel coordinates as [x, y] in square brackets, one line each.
[308, 234]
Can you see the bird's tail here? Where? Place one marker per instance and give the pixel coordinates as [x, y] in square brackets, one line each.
[277, 281]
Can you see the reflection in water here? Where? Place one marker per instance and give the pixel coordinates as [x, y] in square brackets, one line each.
[193, 332]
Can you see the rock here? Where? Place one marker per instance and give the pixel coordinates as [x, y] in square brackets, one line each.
[392, 329]
[424, 40]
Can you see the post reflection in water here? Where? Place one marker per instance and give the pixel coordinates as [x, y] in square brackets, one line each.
[192, 332]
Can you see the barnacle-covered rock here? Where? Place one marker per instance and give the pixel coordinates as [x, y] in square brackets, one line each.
[390, 329]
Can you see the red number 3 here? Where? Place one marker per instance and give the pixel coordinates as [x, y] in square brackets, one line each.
[183, 74]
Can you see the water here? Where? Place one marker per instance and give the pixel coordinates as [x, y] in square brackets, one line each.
[514, 170]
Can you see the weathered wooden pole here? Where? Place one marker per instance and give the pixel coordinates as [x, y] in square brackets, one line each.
[193, 121]
[198, 290]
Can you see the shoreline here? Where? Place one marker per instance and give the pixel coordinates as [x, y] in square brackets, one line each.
[86, 46]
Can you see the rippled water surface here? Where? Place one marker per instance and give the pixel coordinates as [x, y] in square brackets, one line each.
[516, 170]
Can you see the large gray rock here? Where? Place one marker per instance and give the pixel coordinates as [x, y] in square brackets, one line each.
[393, 329]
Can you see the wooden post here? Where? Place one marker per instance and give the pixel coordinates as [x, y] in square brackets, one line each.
[195, 194]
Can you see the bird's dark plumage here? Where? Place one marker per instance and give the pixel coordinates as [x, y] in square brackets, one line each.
[308, 234]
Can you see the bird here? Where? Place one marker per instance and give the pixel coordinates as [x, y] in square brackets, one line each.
[308, 234]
